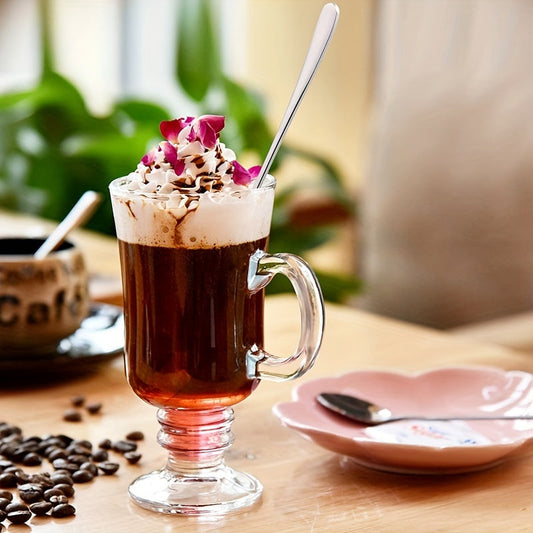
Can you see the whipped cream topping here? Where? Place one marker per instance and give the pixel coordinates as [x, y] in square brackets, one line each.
[189, 190]
[191, 160]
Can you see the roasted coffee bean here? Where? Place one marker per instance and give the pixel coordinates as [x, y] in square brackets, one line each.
[5, 464]
[40, 508]
[57, 453]
[105, 444]
[8, 480]
[71, 415]
[91, 467]
[43, 479]
[3, 515]
[77, 459]
[94, 408]
[50, 493]
[4, 502]
[63, 510]
[77, 401]
[22, 477]
[17, 455]
[13, 470]
[30, 492]
[19, 517]
[82, 476]
[85, 444]
[132, 457]
[60, 463]
[6, 495]
[123, 446]
[65, 440]
[108, 468]
[31, 459]
[78, 449]
[99, 456]
[135, 435]
[6, 430]
[62, 478]
[66, 489]
[61, 498]
[16, 506]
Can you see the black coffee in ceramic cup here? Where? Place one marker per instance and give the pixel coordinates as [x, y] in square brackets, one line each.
[42, 301]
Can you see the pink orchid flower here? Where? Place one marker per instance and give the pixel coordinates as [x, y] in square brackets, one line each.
[209, 127]
[243, 176]
[171, 155]
[149, 158]
[170, 129]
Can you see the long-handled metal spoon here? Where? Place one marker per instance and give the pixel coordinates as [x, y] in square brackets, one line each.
[81, 211]
[321, 37]
[371, 414]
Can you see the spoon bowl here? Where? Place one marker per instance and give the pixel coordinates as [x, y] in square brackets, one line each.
[370, 414]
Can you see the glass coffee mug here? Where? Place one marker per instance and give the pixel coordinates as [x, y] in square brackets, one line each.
[193, 274]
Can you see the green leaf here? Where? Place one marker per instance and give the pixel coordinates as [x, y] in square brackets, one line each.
[336, 288]
[198, 56]
[245, 112]
[142, 112]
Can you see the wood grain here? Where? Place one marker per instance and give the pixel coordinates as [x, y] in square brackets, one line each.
[306, 488]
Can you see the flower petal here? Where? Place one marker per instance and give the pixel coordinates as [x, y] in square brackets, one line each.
[216, 122]
[171, 153]
[254, 171]
[241, 176]
[170, 129]
[149, 158]
[207, 135]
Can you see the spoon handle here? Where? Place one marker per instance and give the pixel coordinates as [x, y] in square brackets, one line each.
[321, 37]
[458, 417]
[369, 414]
[77, 215]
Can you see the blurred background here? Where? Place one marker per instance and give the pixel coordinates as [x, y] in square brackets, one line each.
[406, 178]
[84, 85]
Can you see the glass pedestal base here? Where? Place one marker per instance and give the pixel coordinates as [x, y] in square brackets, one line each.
[214, 492]
[196, 481]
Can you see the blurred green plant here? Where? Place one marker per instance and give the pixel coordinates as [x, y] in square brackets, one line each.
[52, 148]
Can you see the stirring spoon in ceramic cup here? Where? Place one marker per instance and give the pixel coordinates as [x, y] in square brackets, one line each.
[371, 414]
[81, 211]
[324, 29]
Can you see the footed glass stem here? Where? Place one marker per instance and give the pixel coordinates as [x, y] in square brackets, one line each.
[195, 481]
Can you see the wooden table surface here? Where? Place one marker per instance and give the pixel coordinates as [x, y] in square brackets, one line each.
[306, 488]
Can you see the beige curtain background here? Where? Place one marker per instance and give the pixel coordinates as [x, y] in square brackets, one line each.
[447, 214]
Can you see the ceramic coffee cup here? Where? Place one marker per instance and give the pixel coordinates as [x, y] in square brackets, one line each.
[42, 301]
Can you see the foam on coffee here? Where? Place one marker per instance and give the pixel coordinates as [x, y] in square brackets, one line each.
[219, 219]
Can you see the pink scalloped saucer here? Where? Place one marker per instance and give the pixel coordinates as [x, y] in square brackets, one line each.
[419, 446]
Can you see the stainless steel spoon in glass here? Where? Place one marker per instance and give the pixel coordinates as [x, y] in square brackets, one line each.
[371, 414]
[81, 211]
[322, 35]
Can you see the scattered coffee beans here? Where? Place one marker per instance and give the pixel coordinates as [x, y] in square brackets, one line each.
[73, 461]
[62, 510]
[77, 401]
[19, 517]
[94, 408]
[72, 415]
[123, 446]
[132, 457]
[108, 468]
[40, 508]
[135, 435]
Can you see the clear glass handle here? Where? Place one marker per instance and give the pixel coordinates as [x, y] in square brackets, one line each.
[263, 267]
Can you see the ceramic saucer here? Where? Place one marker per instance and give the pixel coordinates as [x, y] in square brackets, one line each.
[99, 338]
[421, 447]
